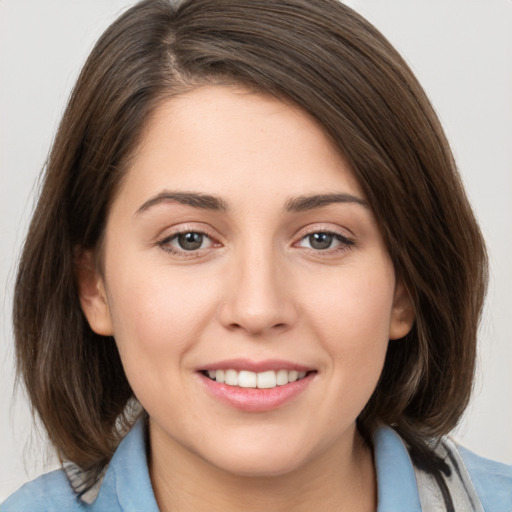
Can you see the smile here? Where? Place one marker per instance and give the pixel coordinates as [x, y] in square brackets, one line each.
[261, 380]
[256, 386]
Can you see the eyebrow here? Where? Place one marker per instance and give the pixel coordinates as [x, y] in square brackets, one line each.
[209, 202]
[304, 203]
[194, 199]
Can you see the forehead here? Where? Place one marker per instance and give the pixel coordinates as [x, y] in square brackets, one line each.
[228, 141]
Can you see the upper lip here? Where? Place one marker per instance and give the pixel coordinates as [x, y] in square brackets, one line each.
[256, 366]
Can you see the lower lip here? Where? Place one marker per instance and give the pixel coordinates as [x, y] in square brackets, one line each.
[255, 399]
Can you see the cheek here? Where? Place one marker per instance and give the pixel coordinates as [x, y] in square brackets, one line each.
[355, 303]
[157, 319]
[157, 314]
[351, 320]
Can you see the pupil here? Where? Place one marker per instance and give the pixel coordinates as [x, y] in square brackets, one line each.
[190, 241]
[320, 240]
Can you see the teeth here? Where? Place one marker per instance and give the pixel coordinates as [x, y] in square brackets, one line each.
[282, 377]
[261, 380]
[246, 379]
[231, 378]
[267, 380]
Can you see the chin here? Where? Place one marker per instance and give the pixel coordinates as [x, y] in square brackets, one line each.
[257, 461]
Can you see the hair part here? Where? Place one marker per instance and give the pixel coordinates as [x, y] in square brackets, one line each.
[323, 57]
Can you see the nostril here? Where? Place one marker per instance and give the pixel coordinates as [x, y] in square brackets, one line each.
[254, 315]
[257, 328]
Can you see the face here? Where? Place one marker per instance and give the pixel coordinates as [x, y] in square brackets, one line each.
[246, 284]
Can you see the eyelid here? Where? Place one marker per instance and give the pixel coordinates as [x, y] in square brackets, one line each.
[345, 242]
[163, 242]
[344, 233]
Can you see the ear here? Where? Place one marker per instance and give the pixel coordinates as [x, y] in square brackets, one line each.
[93, 298]
[402, 314]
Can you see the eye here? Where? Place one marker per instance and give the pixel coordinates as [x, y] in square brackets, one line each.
[186, 241]
[324, 240]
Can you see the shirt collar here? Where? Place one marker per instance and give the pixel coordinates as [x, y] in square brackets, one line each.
[396, 480]
[127, 478]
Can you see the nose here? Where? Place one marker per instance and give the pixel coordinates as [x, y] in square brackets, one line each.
[258, 300]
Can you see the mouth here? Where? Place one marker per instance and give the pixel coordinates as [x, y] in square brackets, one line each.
[256, 386]
[257, 380]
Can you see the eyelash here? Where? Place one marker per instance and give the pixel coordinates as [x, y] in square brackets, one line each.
[164, 244]
[344, 243]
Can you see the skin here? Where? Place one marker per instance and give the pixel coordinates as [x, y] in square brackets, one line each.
[256, 289]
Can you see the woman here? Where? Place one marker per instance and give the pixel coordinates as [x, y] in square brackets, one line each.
[229, 269]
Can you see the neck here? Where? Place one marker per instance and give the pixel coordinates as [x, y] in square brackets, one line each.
[337, 480]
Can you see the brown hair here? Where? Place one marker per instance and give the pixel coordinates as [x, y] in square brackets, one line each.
[325, 58]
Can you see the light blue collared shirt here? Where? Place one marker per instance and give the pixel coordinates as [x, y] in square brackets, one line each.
[126, 486]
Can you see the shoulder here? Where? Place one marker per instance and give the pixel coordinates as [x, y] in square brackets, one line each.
[492, 480]
[48, 493]
[125, 485]
[469, 482]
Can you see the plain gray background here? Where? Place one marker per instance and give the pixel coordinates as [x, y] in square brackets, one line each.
[461, 50]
